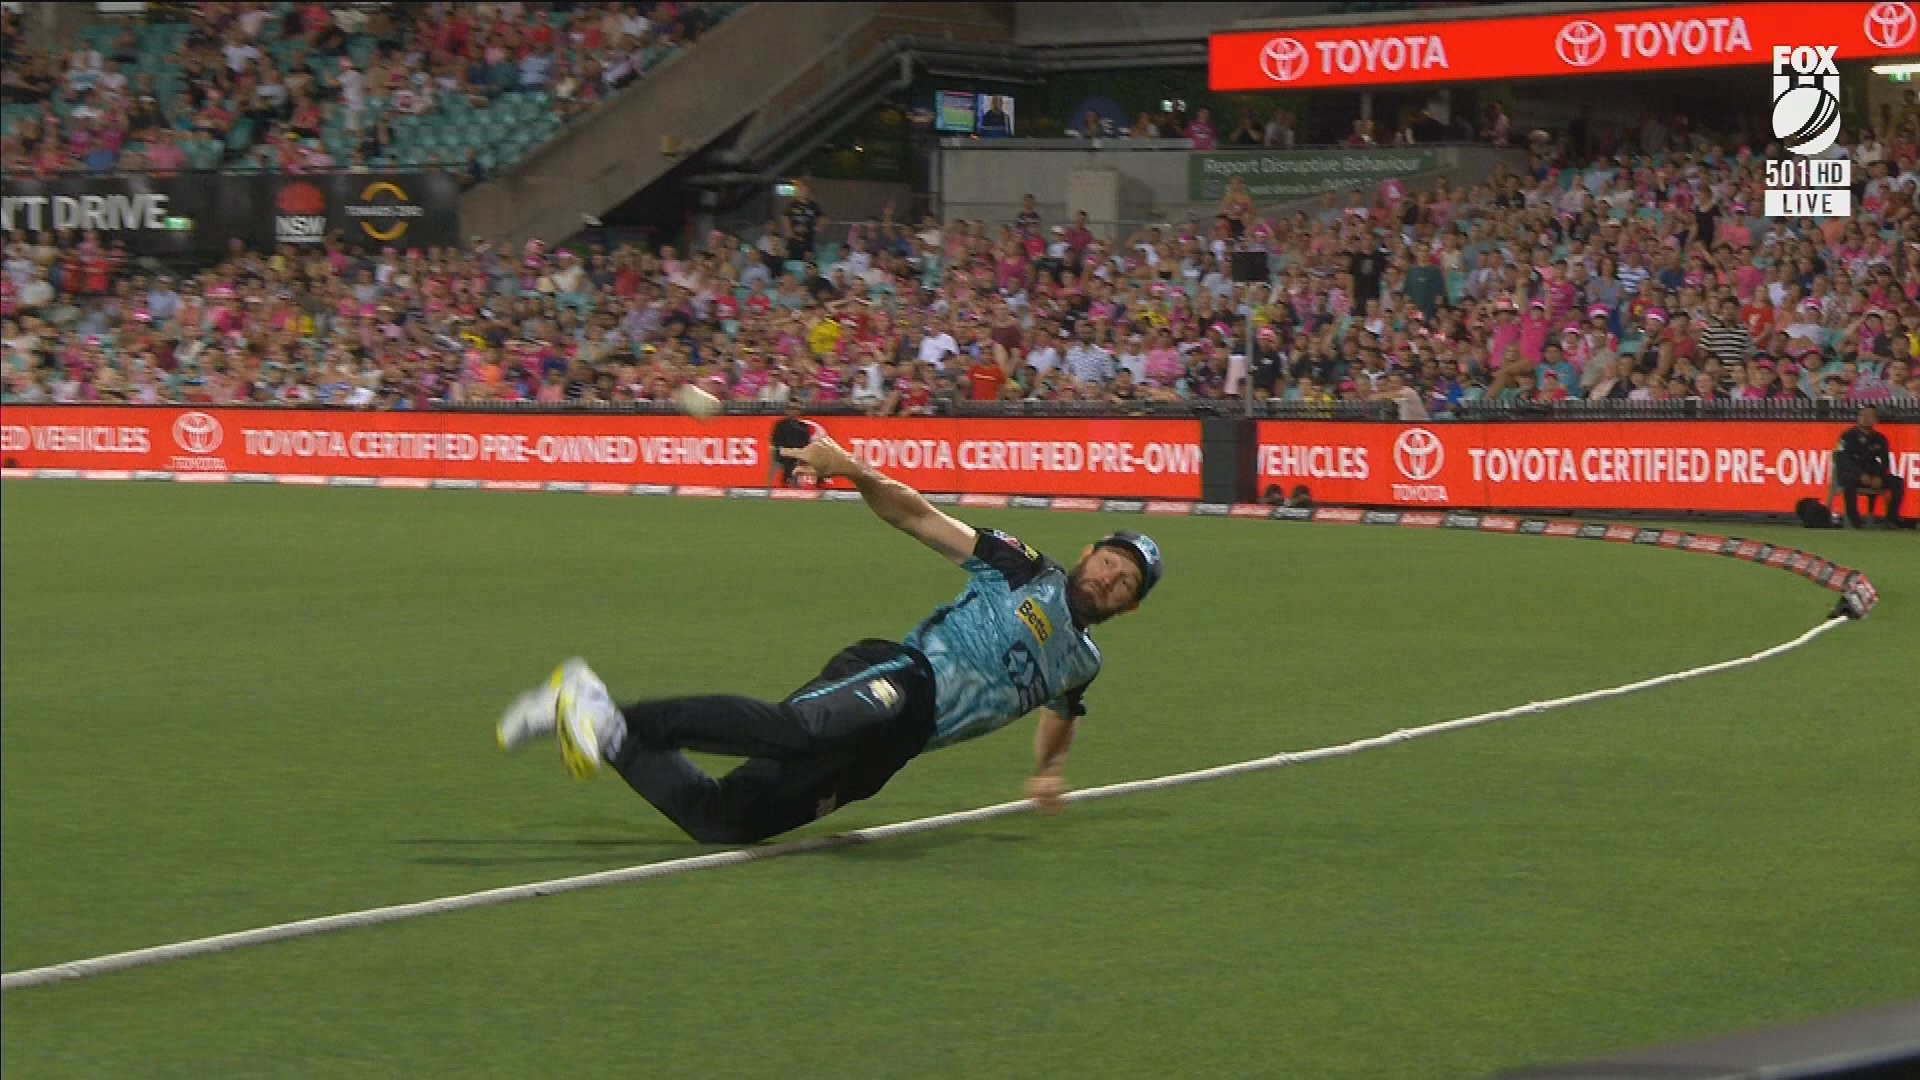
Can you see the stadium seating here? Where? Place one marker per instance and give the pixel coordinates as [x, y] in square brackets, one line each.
[757, 329]
[498, 124]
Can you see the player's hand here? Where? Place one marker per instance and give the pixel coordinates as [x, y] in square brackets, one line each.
[824, 458]
[1047, 792]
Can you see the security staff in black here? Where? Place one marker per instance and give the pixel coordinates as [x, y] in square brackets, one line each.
[1861, 463]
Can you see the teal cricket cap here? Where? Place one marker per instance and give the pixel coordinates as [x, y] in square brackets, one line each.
[1143, 551]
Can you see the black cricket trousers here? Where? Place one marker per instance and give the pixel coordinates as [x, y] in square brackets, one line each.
[1892, 490]
[835, 741]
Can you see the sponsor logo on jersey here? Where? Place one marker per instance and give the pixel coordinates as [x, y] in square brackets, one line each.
[1036, 620]
[1017, 544]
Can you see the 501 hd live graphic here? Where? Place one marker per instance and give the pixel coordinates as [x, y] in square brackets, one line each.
[1806, 120]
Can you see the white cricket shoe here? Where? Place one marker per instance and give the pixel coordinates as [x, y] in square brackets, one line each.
[532, 715]
[589, 724]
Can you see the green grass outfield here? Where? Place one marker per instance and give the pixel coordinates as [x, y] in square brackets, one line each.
[232, 706]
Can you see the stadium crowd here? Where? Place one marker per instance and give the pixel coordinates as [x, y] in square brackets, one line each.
[1643, 278]
[300, 87]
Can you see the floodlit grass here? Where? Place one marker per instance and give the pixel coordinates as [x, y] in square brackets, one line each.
[229, 706]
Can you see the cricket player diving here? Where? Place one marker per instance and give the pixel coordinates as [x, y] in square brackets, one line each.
[1015, 639]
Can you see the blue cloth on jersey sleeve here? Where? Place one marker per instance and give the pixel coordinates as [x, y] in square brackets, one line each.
[1006, 645]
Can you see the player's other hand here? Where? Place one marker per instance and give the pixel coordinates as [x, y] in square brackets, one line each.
[1047, 793]
[824, 458]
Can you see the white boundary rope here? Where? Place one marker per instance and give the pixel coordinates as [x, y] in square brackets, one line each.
[101, 965]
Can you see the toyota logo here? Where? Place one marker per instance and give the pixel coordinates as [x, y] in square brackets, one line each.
[1890, 26]
[1581, 44]
[1418, 454]
[197, 433]
[1283, 59]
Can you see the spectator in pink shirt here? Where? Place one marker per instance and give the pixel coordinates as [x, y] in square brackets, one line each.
[164, 154]
[1535, 329]
[826, 384]
[1200, 130]
[1503, 335]
[1164, 363]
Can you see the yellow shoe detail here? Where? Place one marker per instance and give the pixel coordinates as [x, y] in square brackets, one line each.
[579, 760]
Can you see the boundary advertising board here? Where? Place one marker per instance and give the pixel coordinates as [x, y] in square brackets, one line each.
[1090, 457]
[1713, 466]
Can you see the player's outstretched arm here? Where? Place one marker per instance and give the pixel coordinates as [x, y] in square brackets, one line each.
[891, 501]
[1052, 736]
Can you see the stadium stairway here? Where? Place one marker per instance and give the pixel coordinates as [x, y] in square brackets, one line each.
[766, 69]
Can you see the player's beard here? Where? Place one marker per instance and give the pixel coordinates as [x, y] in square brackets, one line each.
[1083, 600]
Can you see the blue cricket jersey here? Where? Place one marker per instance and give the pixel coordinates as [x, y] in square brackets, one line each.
[1006, 645]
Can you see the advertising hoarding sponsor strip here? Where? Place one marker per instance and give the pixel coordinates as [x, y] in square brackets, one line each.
[1720, 466]
[1085, 458]
[205, 212]
[1597, 42]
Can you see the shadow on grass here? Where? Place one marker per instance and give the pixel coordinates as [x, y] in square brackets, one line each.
[561, 842]
[582, 842]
